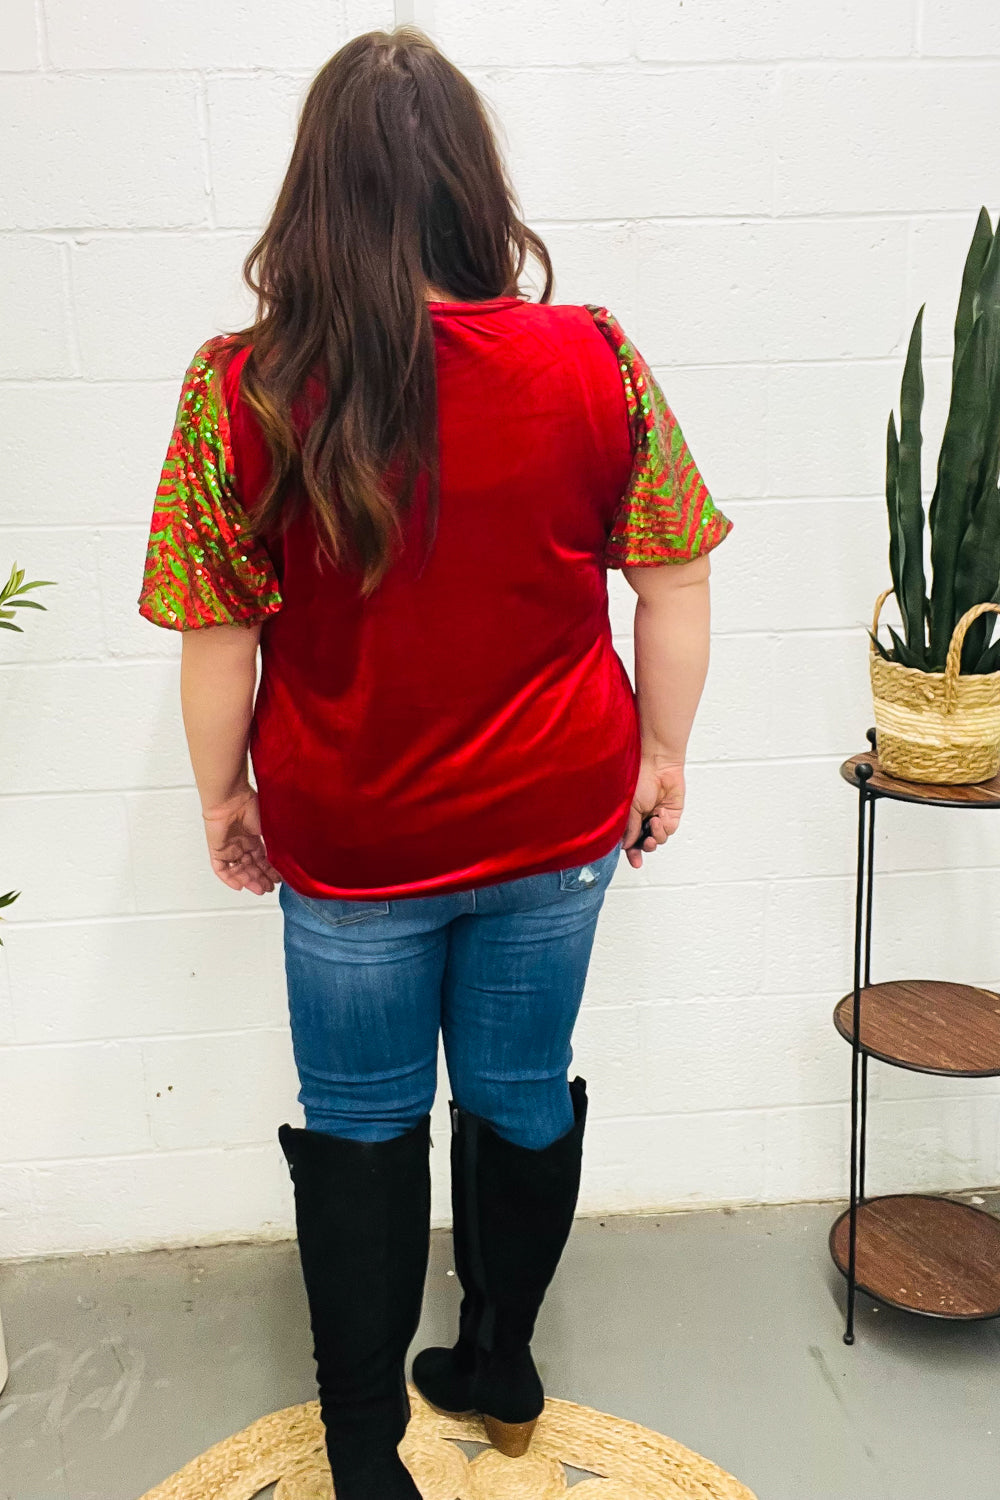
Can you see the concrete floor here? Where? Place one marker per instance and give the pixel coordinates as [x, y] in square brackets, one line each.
[722, 1329]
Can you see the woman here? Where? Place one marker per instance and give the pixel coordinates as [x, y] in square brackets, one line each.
[405, 482]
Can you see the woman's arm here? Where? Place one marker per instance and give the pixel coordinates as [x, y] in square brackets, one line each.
[672, 622]
[218, 677]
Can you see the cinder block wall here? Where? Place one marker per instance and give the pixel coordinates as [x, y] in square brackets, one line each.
[764, 196]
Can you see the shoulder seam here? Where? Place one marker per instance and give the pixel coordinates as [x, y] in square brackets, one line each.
[208, 349]
[205, 367]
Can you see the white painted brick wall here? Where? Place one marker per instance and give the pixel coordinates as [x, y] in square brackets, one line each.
[50, 177]
[764, 196]
[34, 309]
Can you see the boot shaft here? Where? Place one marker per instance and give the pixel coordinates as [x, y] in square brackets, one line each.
[513, 1211]
[362, 1212]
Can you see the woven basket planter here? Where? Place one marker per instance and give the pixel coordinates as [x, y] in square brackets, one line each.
[937, 726]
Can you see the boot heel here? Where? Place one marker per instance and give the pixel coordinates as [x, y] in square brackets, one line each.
[510, 1438]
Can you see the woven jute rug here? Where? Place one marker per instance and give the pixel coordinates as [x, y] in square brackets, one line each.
[626, 1461]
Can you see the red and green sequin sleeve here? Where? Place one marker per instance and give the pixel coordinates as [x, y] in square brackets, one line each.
[202, 566]
[666, 513]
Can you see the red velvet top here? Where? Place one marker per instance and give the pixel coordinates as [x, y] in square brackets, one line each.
[470, 722]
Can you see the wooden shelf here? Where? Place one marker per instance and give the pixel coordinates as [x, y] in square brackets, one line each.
[926, 1255]
[979, 794]
[928, 1026]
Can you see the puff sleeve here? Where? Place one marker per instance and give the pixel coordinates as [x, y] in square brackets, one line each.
[202, 565]
[666, 514]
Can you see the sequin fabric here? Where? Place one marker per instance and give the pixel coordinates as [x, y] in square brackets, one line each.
[202, 566]
[666, 513]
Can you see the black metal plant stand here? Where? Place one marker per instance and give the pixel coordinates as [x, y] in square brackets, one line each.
[927, 1254]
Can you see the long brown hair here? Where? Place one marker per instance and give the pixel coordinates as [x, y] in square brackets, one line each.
[395, 185]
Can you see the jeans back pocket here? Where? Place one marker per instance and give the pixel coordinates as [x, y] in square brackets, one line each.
[340, 912]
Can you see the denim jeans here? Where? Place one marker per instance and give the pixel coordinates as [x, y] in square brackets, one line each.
[497, 971]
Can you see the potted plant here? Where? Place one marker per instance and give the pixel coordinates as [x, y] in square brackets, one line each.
[936, 689]
[11, 598]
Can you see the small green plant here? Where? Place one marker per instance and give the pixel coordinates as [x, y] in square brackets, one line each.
[964, 515]
[7, 900]
[11, 598]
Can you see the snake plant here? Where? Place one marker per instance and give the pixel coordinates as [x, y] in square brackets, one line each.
[10, 599]
[964, 515]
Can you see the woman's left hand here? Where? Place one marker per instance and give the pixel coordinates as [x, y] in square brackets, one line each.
[235, 846]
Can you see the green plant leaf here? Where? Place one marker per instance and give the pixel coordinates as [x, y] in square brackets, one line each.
[902, 652]
[879, 646]
[958, 468]
[6, 901]
[16, 585]
[990, 661]
[909, 507]
[891, 479]
[977, 567]
[977, 560]
[982, 240]
[987, 293]
[12, 597]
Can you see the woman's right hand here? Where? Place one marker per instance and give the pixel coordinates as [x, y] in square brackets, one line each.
[659, 796]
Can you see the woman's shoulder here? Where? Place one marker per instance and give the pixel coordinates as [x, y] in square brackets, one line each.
[572, 314]
[214, 368]
[590, 328]
[215, 354]
[607, 324]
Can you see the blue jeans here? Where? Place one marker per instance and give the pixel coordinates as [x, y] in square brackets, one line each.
[498, 971]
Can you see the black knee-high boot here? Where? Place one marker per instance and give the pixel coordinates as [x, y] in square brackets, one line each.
[513, 1211]
[362, 1212]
